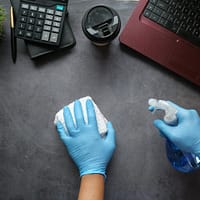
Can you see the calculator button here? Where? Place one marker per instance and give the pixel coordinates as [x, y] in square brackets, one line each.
[23, 19]
[41, 9]
[20, 33]
[59, 13]
[33, 8]
[38, 29]
[32, 14]
[47, 28]
[58, 19]
[59, 7]
[25, 12]
[40, 22]
[50, 11]
[41, 16]
[25, 6]
[50, 17]
[37, 36]
[54, 29]
[54, 37]
[56, 24]
[30, 27]
[22, 26]
[45, 35]
[29, 34]
[47, 22]
[31, 20]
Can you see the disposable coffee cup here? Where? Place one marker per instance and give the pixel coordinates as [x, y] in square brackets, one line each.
[101, 24]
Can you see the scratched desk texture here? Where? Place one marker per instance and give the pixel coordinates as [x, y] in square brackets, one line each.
[34, 164]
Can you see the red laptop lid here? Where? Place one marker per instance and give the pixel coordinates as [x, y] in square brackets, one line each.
[161, 45]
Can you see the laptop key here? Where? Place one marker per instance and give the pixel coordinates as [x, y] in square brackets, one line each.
[171, 18]
[154, 17]
[147, 13]
[150, 6]
[171, 10]
[183, 25]
[197, 25]
[153, 1]
[171, 26]
[162, 21]
[192, 13]
[157, 11]
[165, 15]
[163, 5]
[177, 22]
[185, 10]
[175, 28]
[178, 14]
[197, 17]
[167, 1]
[196, 33]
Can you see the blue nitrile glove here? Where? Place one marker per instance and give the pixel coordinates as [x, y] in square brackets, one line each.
[186, 134]
[90, 151]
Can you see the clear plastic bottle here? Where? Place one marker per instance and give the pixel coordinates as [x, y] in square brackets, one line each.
[181, 161]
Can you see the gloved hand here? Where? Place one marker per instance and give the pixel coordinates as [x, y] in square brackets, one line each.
[90, 151]
[186, 134]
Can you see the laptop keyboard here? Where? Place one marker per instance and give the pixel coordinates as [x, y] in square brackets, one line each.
[179, 16]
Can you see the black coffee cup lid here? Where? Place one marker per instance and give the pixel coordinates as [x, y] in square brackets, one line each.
[101, 24]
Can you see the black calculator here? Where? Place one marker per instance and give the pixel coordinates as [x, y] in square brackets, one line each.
[41, 21]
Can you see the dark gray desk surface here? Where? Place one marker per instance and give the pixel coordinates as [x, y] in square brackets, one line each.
[33, 162]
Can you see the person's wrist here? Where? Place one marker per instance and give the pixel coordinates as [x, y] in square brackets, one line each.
[93, 171]
[92, 175]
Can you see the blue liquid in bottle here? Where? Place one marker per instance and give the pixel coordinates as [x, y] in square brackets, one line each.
[181, 161]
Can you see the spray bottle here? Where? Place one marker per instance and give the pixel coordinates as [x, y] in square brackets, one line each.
[181, 161]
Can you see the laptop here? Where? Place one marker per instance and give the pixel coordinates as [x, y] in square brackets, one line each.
[168, 32]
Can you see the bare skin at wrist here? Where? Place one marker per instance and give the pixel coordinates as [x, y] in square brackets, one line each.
[92, 187]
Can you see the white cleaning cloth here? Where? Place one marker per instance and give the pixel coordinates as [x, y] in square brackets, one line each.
[101, 120]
